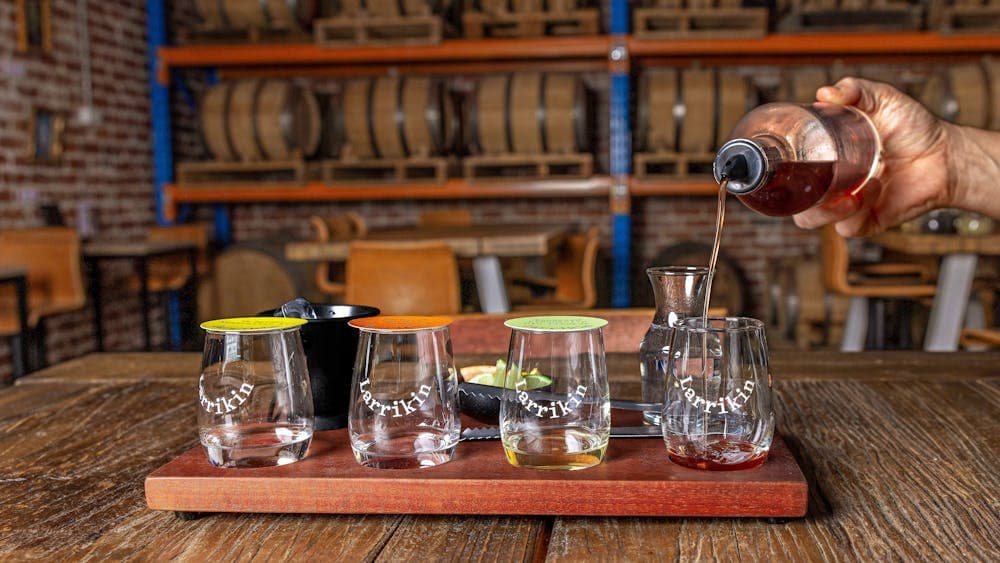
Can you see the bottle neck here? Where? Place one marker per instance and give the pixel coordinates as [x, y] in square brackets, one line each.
[747, 164]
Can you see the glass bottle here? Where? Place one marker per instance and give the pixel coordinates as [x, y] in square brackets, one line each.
[784, 158]
[679, 292]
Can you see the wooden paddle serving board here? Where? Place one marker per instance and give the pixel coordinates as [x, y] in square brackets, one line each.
[635, 479]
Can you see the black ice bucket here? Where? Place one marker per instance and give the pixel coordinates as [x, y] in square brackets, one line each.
[330, 345]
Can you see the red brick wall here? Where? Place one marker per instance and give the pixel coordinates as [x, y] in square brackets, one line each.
[106, 166]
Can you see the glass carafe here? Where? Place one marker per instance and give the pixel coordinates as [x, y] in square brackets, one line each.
[679, 292]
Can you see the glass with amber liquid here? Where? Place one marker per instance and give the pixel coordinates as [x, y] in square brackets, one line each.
[717, 411]
[565, 423]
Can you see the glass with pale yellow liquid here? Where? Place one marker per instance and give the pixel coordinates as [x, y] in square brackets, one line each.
[565, 424]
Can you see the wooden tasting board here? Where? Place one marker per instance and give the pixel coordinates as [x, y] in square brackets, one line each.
[635, 479]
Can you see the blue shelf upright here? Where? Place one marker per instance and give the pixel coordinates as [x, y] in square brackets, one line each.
[621, 156]
[159, 94]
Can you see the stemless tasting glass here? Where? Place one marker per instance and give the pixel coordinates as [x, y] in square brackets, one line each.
[564, 420]
[256, 408]
[404, 395]
[717, 411]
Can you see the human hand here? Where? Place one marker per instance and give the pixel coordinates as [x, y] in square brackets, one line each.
[914, 177]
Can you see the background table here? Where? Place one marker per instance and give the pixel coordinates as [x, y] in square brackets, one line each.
[140, 253]
[18, 277]
[899, 449]
[485, 244]
[959, 256]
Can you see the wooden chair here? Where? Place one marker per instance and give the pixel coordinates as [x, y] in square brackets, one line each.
[980, 338]
[349, 226]
[171, 273]
[404, 278]
[55, 282]
[839, 279]
[573, 283]
[445, 218]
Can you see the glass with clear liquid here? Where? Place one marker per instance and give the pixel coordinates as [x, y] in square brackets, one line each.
[679, 292]
[404, 393]
[255, 403]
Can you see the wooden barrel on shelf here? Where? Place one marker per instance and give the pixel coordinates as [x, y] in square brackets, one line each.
[657, 97]
[799, 84]
[690, 110]
[254, 120]
[528, 113]
[256, 14]
[275, 279]
[992, 66]
[397, 117]
[388, 8]
[960, 93]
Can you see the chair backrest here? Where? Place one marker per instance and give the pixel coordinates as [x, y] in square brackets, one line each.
[247, 281]
[835, 260]
[404, 278]
[445, 218]
[575, 268]
[52, 258]
[192, 232]
[346, 226]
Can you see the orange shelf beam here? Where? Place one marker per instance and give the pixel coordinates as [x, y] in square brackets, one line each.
[305, 54]
[818, 44]
[680, 186]
[452, 189]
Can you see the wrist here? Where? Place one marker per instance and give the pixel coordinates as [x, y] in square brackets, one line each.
[973, 167]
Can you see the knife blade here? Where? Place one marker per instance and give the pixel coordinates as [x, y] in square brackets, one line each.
[493, 432]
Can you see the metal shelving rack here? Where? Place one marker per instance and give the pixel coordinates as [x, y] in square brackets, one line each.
[613, 52]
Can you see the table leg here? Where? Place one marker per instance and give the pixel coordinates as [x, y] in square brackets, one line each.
[953, 287]
[489, 284]
[94, 275]
[20, 348]
[144, 299]
[192, 294]
[855, 326]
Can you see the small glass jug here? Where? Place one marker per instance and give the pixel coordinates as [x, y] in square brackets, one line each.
[679, 292]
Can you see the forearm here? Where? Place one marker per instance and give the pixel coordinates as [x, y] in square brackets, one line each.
[974, 170]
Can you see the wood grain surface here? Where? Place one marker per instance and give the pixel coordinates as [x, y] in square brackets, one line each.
[899, 450]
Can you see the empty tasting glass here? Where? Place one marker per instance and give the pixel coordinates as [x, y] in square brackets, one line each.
[404, 395]
[717, 411]
[556, 410]
[256, 408]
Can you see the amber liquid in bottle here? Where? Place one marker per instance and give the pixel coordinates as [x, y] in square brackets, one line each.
[783, 159]
[793, 188]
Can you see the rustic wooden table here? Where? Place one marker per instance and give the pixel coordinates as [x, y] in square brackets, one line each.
[899, 449]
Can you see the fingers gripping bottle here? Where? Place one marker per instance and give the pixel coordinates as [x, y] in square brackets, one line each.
[784, 158]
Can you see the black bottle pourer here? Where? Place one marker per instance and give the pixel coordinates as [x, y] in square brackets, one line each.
[742, 162]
